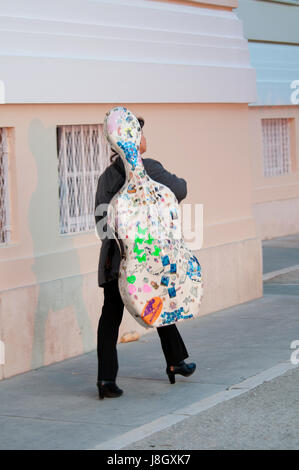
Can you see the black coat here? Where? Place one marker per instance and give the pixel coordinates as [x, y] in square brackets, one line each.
[110, 181]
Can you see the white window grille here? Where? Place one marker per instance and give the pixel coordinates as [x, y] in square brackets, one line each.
[276, 146]
[5, 228]
[83, 154]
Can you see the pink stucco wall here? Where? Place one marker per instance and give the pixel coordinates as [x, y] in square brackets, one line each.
[275, 199]
[50, 301]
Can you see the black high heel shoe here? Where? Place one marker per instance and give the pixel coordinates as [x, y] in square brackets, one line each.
[108, 389]
[181, 368]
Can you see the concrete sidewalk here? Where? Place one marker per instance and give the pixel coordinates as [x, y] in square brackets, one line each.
[57, 407]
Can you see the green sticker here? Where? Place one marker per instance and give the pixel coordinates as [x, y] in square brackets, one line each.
[157, 251]
[137, 250]
[131, 279]
[149, 240]
[141, 258]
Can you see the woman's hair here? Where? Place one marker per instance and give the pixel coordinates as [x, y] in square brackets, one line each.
[114, 155]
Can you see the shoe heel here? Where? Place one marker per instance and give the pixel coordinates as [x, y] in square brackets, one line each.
[171, 377]
[101, 392]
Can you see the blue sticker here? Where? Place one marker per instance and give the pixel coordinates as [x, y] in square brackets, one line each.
[130, 151]
[165, 260]
[165, 280]
[173, 267]
[194, 269]
[172, 292]
[171, 317]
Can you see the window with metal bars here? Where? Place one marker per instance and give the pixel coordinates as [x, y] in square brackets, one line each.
[5, 229]
[276, 146]
[83, 154]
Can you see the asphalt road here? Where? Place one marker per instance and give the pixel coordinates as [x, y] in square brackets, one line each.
[266, 417]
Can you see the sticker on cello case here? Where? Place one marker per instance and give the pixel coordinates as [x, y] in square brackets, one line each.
[152, 310]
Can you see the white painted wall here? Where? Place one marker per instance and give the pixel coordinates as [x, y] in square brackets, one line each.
[64, 51]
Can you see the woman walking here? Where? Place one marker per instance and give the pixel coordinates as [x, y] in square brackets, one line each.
[173, 347]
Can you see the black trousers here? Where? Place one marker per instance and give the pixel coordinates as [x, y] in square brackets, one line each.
[112, 312]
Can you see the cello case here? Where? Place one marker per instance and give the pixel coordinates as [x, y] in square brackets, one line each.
[160, 279]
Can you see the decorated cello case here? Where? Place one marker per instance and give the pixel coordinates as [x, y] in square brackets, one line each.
[160, 279]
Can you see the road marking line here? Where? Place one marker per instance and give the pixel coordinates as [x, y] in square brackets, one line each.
[174, 417]
[280, 271]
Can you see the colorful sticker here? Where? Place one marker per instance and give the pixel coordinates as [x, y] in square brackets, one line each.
[159, 261]
[152, 310]
[165, 260]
